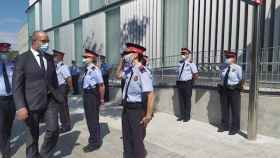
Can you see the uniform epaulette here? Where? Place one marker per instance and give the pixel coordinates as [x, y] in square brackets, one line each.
[142, 69]
[62, 64]
[223, 66]
[181, 61]
[93, 68]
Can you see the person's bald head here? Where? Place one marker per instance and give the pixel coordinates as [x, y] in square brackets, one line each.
[39, 38]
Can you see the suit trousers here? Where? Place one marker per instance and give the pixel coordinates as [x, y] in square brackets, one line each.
[91, 106]
[133, 133]
[50, 116]
[64, 113]
[7, 116]
[185, 96]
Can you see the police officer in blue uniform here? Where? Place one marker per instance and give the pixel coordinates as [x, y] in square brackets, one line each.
[93, 98]
[135, 117]
[232, 83]
[65, 86]
[75, 73]
[186, 73]
[106, 71]
[7, 106]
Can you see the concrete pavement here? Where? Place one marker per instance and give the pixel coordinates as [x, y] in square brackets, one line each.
[166, 138]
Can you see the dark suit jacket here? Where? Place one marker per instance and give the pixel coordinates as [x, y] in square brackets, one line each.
[30, 84]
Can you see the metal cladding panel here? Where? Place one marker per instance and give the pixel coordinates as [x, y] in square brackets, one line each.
[67, 43]
[94, 30]
[141, 23]
[47, 14]
[65, 10]
[84, 6]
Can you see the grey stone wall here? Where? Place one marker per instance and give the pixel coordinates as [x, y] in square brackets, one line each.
[206, 107]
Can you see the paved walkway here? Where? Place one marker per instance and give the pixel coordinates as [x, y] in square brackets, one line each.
[166, 138]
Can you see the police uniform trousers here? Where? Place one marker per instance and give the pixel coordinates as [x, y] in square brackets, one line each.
[50, 118]
[230, 102]
[133, 132]
[7, 115]
[122, 84]
[64, 114]
[185, 95]
[91, 100]
[106, 84]
[75, 79]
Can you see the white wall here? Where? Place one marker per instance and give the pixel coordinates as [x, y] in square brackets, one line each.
[84, 6]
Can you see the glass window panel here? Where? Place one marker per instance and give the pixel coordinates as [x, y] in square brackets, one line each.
[113, 35]
[96, 4]
[56, 40]
[74, 8]
[56, 8]
[78, 41]
[175, 29]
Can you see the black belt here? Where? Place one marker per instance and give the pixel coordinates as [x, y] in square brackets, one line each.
[133, 105]
[6, 97]
[90, 90]
[232, 87]
[184, 81]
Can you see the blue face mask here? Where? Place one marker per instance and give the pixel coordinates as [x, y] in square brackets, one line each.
[3, 57]
[44, 47]
[226, 61]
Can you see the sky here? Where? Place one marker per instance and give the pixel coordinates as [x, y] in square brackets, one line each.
[12, 17]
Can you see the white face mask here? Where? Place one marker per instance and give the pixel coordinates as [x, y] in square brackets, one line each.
[84, 60]
[183, 56]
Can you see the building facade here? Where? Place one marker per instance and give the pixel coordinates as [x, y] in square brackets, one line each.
[163, 26]
[22, 39]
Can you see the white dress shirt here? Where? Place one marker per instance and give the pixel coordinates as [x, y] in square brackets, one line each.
[36, 55]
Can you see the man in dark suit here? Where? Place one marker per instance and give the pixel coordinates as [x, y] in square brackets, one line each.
[34, 86]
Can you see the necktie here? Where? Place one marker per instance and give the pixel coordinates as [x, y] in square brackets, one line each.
[84, 77]
[182, 70]
[42, 63]
[226, 77]
[6, 79]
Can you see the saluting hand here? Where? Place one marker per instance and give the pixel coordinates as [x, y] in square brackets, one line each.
[22, 114]
[146, 120]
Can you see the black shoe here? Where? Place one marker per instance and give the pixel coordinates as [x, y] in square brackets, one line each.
[64, 129]
[186, 120]
[180, 119]
[233, 132]
[91, 148]
[222, 129]
[6, 156]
